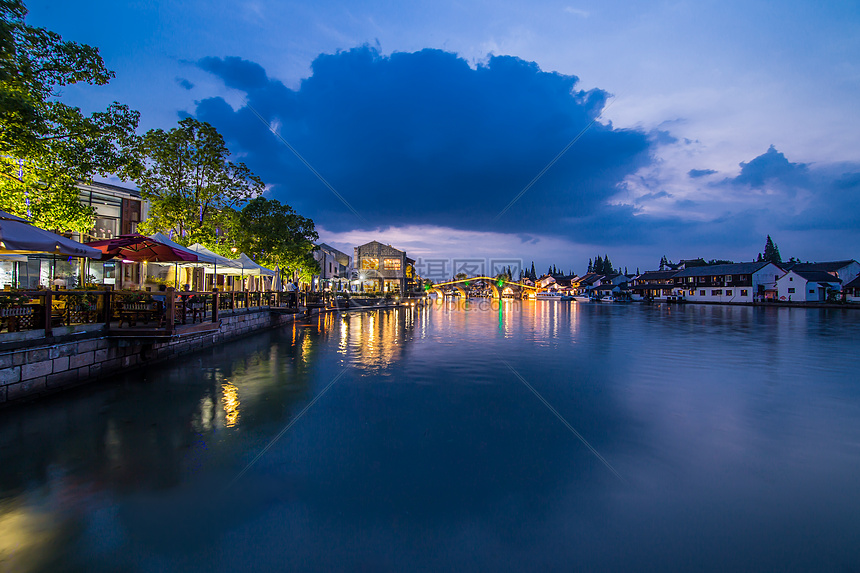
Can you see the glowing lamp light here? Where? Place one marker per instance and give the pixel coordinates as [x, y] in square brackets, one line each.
[127, 261]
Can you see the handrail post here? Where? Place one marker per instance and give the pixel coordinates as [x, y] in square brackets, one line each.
[170, 309]
[215, 306]
[48, 326]
[108, 310]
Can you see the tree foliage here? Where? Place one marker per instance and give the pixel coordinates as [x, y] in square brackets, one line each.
[47, 146]
[192, 187]
[771, 252]
[278, 236]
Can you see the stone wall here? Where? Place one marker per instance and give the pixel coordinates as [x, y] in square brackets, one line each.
[39, 370]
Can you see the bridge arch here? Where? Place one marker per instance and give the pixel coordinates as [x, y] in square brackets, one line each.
[497, 287]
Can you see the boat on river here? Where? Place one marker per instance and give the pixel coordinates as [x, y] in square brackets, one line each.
[549, 295]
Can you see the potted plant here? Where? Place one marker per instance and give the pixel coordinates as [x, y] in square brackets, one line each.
[12, 304]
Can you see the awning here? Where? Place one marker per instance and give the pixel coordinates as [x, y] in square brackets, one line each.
[17, 236]
[140, 248]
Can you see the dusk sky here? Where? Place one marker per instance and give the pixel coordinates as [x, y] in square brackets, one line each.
[712, 124]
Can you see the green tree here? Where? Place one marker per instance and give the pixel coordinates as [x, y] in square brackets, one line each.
[192, 187]
[276, 235]
[771, 252]
[46, 146]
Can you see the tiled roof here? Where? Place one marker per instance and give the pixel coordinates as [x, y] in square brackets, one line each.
[717, 270]
[853, 283]
[656, 275]
[826, 266]
[817, 276]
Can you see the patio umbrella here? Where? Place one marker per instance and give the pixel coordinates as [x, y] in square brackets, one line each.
[139, 248]
[20, 237]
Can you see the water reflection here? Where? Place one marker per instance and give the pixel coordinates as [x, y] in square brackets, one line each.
[736, 428]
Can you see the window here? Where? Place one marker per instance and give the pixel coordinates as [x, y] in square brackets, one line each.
[371, 264]
[790, 279]
[701, 293]
[811, 291]
[744, 292]
[391, 264]
[728, 293]
[716, 292]
[791, 291]
[728, 278]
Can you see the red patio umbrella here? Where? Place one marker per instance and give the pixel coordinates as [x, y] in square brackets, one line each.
[139, 248]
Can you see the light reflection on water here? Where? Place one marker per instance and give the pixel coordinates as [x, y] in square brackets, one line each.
[736, 429]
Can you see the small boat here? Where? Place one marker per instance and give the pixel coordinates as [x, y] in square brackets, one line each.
[607, 298]
[567, 297]
[582, 298]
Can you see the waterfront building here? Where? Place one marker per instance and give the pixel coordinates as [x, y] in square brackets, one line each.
[335, 267]
[845, 270]
[587, 282]
[809, 286]
[657, 285]
[851, 290]
[118, 210]
[736, 282]
[383, 268]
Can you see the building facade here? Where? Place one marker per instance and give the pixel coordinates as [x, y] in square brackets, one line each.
[335, 267]
[737, 282]
[382, 268]
[808, 286]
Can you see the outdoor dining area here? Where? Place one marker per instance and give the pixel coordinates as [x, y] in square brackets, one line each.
[53, 285]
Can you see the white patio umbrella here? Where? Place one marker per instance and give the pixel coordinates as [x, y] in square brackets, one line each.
[17, 236]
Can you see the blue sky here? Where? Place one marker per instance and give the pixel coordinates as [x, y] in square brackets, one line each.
[715, 123]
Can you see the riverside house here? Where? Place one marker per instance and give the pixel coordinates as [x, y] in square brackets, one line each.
[737, 282]
[383, 268]
[808, 286]
[851, 291]
[657, 285]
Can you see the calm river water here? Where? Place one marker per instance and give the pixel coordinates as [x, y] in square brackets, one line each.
[694, 438]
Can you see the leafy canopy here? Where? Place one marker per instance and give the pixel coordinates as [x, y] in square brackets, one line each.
[47, 146]
[192, 187]
[278, 236]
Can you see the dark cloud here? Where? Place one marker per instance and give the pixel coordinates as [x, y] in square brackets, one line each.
[424, 138]
[800, 197]
[696, 173]
[236, 72]
[184, 83]
[772, 169]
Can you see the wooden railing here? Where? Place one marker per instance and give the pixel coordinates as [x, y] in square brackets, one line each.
[47, 310]
[29, 310]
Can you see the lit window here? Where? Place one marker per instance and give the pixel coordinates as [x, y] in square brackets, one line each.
[701, 293]
[371, 264]
[744, 292]
[728, 293]
[391, 264]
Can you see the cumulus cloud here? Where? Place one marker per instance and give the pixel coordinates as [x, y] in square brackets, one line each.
[425, 138]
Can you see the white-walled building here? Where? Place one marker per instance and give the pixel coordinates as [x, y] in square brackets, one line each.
[736, 282]
[809, 286]
[845, 270]
[851, 290]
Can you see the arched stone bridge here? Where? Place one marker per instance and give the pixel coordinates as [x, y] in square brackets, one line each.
[498, 287]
